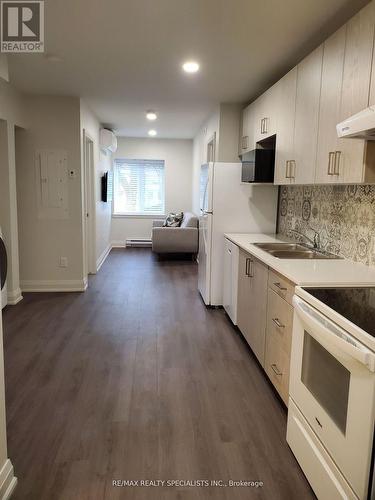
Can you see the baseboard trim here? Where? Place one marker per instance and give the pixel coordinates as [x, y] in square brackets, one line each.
[103, 257]
[14, 296]
[54, 286]
[8, 481]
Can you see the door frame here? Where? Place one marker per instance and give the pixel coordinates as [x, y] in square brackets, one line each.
[89, 214]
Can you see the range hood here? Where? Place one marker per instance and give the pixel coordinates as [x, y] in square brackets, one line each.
[359, 126]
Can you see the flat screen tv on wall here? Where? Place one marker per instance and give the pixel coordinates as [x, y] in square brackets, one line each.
[107, 187]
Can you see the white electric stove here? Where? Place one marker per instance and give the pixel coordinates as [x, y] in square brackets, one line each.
[332, 390]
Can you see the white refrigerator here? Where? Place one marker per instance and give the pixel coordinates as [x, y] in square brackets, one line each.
[228, 206]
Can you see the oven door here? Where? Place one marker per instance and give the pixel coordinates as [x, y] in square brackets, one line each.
[332, 381]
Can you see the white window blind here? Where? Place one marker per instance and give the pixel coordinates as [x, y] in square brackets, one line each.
[139, 187]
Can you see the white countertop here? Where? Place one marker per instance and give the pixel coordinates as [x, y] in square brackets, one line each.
[303, 271]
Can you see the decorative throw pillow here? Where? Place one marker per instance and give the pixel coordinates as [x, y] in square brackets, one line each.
[173, 219]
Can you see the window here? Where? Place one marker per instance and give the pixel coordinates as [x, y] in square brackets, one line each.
[139, 187]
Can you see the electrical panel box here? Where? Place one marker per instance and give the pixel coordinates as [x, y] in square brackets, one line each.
[52, 184]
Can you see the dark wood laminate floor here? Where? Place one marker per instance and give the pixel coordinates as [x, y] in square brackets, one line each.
[136, 379]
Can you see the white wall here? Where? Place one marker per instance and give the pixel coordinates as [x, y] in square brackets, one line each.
[102, 163]
[55, 125]
[177, 155]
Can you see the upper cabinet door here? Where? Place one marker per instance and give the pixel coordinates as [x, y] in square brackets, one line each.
[329, 109]
[309, 77]
[265, 117]
[355, 89]
[248, 129]
[285, 99]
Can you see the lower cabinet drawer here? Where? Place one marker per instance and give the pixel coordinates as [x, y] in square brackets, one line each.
[279, 320]
[277, 362]
[281, 285]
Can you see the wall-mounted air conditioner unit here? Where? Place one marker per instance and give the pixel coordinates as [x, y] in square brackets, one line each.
[108, 140]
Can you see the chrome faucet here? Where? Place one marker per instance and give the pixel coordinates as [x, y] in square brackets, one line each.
[315, 242]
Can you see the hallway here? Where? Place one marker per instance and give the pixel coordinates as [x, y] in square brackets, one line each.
[135, 379]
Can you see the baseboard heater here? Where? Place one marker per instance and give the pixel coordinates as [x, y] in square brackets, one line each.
[138, 242]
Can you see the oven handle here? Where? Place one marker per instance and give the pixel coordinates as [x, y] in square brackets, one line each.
[329, 334]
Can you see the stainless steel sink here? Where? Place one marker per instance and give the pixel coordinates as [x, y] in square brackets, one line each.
[294, 251]
[281, 246]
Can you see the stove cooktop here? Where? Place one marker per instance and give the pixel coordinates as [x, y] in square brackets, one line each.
[355, 304]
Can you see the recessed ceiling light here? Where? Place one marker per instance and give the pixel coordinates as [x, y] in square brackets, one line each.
[190, 67]
[152, 133]
[151, 115]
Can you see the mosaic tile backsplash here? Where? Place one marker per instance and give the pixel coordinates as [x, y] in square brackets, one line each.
[344, 216]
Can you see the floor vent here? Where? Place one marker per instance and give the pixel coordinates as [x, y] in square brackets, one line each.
[138, 242]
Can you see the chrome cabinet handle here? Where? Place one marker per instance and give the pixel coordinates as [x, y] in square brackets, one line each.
[276, 370]
[278, 285]
[293, 163]
[244, 141]
[277, 323]
[287, 170]
[261, 126]
[247, 267]
[331, 155]
[336, 169]
[251, 268]
[265, 128]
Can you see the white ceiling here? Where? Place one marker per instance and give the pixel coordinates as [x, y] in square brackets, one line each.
[124, 56]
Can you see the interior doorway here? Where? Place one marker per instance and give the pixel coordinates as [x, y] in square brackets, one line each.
[211, 148]
[89, 206]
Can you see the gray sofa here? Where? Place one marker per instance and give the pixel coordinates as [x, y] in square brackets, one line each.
[183, 239]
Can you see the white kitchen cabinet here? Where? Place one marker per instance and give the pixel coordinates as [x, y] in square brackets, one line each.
[285, 99]
[329, 109]
[355, 91]
[309, 77]
[334, 82]
[230, 281]
[266, 114]
[259, 120]
[252, 302]
[279, 332]
[346, 75]
[248, 129]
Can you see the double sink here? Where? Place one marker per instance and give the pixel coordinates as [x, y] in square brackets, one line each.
[294, 251]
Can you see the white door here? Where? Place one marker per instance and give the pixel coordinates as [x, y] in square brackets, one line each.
[204, 257]
[89, 207]
[332, 382]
